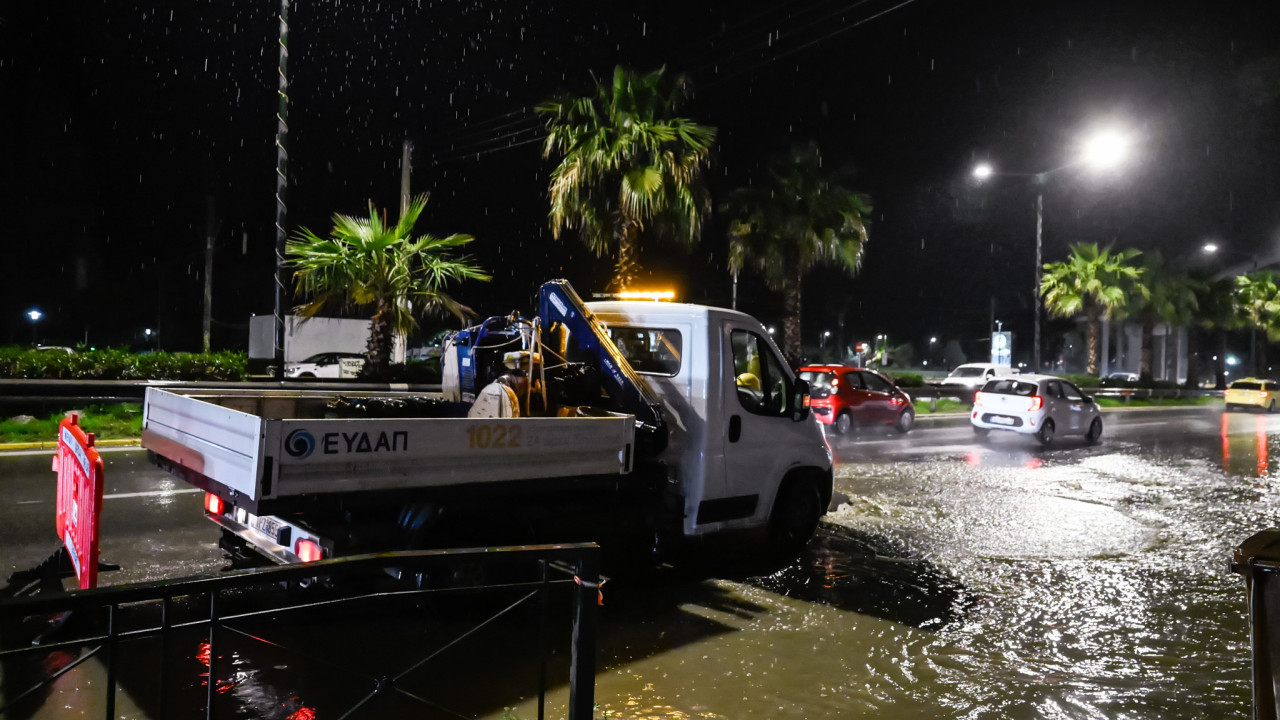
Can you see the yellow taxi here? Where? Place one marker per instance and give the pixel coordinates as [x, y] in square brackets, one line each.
[1247, 392]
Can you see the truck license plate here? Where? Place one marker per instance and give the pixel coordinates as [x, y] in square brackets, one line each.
[267, 526]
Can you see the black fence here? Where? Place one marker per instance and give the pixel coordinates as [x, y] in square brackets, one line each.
[474, 589]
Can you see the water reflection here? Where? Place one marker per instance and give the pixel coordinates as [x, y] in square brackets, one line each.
[1245, 445]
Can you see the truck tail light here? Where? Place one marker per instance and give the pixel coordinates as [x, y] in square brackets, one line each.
[214, 504]
[308, 550]
[1037, 402]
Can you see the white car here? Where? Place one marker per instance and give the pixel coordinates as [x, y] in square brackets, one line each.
[326, 365]
[969, 377]
[1039, 405]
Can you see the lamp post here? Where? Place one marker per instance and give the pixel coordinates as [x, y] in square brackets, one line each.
[822, 344]
[1102, 150]
[34, 316]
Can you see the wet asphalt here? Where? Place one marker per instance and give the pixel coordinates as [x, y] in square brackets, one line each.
[955, 577]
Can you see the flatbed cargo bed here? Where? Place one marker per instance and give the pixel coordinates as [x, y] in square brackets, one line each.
[259, 447]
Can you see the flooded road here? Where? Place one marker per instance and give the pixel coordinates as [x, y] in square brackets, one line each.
[993, 579]
[955, 578]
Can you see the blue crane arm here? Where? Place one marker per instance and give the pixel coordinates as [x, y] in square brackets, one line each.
[562, 312]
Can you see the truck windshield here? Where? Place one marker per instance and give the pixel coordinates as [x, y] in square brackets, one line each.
[651, 351]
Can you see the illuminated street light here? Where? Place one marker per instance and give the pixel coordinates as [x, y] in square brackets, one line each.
[34, 316]
[1106, 149]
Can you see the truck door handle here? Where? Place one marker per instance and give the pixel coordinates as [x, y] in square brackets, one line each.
[735, 428]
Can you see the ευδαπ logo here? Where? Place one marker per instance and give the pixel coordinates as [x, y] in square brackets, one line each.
[299, 444]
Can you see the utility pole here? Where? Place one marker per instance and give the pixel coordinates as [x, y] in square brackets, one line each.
[282, 182]
[1035, 299]
[210, 234]
[406, 169]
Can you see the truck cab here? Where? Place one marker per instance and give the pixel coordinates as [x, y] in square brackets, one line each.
[743, 448]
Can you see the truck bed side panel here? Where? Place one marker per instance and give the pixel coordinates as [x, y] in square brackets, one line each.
[339, 456]
[222, 444]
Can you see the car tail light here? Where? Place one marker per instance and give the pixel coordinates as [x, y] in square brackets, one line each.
[1037, 402]
[896, 400]
[977, 398]
[214, 504]
[308, 550]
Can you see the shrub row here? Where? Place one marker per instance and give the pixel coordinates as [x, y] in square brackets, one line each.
[117, 364]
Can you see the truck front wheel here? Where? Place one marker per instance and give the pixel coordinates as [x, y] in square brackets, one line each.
[795, 515]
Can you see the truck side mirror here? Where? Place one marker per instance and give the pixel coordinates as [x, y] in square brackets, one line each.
[800, 400]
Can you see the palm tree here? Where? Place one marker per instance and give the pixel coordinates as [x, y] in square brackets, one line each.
[1171, 298]
[1094, 281]
[365, 263]
[1217, 312]
[800, 218]
[628, 166]
[1258, 306]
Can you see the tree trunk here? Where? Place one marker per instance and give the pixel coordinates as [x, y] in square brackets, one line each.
[1148, 347]
[378, 351]
[791, 345]
[1095, 348]
[627, 269]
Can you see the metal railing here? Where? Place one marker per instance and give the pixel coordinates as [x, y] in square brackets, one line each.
[543, 567]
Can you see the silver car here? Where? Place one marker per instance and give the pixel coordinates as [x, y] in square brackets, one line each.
[1039, 405]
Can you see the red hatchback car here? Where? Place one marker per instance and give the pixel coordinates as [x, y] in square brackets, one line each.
[842, 396]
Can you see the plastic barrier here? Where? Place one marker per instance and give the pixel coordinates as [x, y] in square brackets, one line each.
[79, 507]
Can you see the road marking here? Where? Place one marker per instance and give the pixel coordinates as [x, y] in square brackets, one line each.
[151, 493]
[122, 496]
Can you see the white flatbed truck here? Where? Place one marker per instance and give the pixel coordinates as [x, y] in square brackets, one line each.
[683, 415]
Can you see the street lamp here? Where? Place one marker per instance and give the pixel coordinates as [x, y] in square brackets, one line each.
[1102, 150]
[822, 344]
[34, 316]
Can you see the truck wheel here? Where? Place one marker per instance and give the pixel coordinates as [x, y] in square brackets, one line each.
[843, 422]
[906, 421]
[795, 516]
[1045, 436]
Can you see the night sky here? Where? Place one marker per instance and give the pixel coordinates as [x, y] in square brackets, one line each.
[130, 127]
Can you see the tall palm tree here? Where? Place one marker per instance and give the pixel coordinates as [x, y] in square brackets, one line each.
[628, 166]
[367, 264]
[1218, 313]
[1171, 298]
[1097, 282]
[1257, 302]
[800, 218]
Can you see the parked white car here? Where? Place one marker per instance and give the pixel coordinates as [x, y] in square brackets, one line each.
[1039, 405]
[326, 365]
